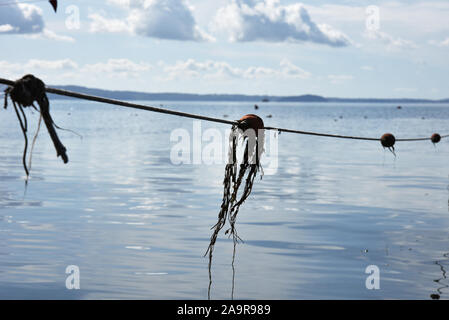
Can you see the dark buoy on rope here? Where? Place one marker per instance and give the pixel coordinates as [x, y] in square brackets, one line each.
[251, 121]
[435, 138]
[387, 140]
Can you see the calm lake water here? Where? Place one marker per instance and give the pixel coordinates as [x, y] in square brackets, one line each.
[137, 225]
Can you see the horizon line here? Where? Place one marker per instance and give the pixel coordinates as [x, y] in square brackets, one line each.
[262, 96]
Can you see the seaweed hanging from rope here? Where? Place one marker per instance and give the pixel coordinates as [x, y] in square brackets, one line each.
[23, 94]
[250, 130]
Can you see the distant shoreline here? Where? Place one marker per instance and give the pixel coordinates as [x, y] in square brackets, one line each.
[258, 99]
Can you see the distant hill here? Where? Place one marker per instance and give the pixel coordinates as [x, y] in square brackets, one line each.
[163, 96]
[371, 100]
[303, 98]
[172, 96]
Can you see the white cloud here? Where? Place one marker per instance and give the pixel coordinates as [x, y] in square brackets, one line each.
[122, 68]
[117, 68]
[121, 3]
[367, 68]
[51, 35]
[339, 78]
[6, 28]
[26, 19]
[102, 24]
[21, 18]
[188, 73]
[64, 64]
[268, 20]
[289, 69]
[36, 66]
[403, 25]
[391, 42]
[193, 69]
[443, 43]
[420, 17]
[9, 68]
[221, 70]
[163, 19]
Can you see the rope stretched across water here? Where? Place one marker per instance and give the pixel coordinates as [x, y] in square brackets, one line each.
[200, 117]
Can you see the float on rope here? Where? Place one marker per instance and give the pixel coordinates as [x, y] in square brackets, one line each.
[388, 140]
[435, 138]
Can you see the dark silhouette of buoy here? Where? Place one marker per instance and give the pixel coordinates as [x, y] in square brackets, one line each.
[398, 107]
[256, 106]
[435, 138]
[269, 116]
[387, 140]
[251, 121]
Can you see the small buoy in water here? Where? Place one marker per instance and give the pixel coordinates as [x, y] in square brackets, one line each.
[256, 106]
[398, 107]
[435, 296]
[269, 116]
[225, 116]
[387, 140]
[435, 138]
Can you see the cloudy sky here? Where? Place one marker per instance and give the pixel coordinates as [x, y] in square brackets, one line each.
[280, 47]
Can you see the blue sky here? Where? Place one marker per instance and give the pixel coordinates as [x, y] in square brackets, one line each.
[279, 47]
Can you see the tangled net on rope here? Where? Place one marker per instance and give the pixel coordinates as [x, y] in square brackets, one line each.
[23, 93]
[250, 129]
